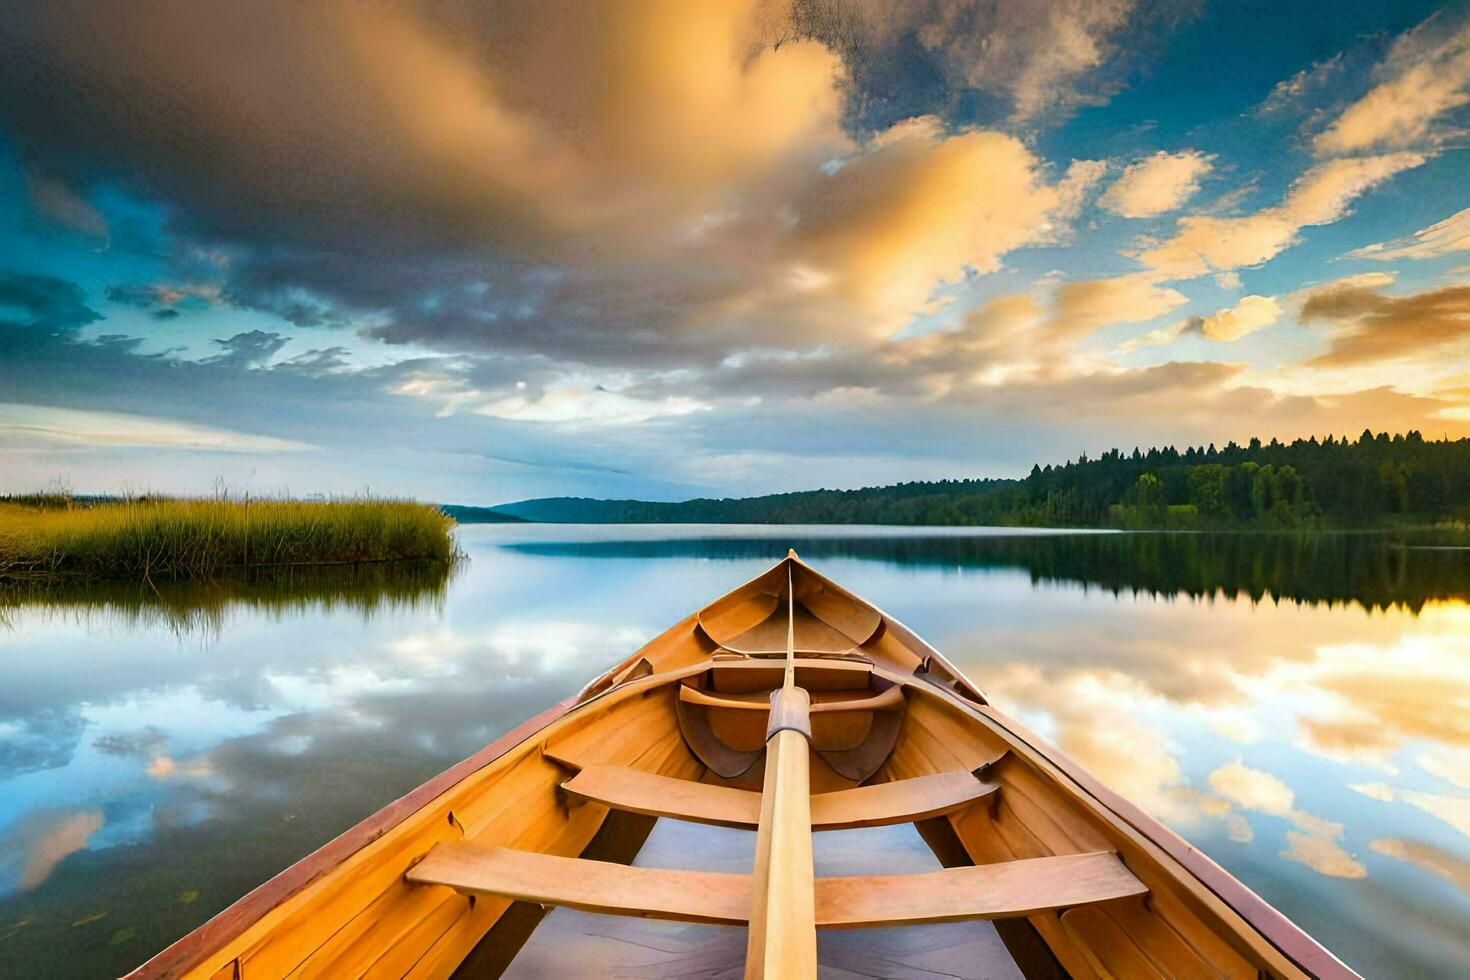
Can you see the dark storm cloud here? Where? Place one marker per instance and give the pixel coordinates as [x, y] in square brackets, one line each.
[44, 302]
[143, 295]
[317, 397]
[143, 743]
[317, 362]
[249, 349]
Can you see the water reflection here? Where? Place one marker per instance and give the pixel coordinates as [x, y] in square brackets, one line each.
[1372, 570]
[1319, 748]
[204, 608]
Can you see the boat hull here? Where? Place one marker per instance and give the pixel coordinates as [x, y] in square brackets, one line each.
[891, 722]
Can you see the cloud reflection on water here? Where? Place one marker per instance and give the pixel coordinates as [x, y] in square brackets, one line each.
[1235, 721]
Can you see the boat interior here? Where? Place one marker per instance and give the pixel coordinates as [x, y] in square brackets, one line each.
[788, 783]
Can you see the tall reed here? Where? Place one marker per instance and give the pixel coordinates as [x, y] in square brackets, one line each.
[154, 538]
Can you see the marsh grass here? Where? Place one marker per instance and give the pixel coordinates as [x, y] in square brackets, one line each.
[155, 539]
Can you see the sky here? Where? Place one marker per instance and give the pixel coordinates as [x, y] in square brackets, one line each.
[474, 252]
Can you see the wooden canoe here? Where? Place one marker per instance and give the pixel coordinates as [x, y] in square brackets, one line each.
[787, 706]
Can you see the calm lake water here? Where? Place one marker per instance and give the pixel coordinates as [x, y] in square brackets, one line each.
[1298, 707]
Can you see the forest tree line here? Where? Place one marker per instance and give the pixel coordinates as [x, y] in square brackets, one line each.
[1375, 480]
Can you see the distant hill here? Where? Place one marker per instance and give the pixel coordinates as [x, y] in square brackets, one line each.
[479, 515]
[801, 507]
[1374, 480]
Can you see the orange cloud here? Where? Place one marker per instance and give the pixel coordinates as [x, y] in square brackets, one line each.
[1246, 317]
[914, 209]
[1435, 860]
[1450, 235]
[1204, 243]
[1365, 326]
[1430, 76]
[1313, 841]
[1156, 184]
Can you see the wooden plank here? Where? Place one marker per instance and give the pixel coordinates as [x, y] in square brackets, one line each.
[987, 891]
[1112, 948]
[736, 676]
[1074, 959]
[853, 618]
[902, 801]
[889, 700]
[593, 886]
[991, 891]
[1027, 949]
[865, 806]
[618, 840]
[929, 723]
[659, 796]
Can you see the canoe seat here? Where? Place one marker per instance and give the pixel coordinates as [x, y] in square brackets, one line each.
[987, 891]
[889, 700]
[592, 886]
[1004, 890]
[901, 801]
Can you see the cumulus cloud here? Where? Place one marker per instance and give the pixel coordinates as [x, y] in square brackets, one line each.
[421, 120]
[1083, 307]
[843, 253]
[1204, 243]
[915, 209]
[677, 189]
[1253, 789]
[1424, 77]
[1156, 184]
[1226, 325]
[1246, 317]
[1450, 235]
[1313, 841]
[1081, 177]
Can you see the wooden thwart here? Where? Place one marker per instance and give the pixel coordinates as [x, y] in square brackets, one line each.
[987, 891]
[877, 805]
[593, 886]
[889, 700]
